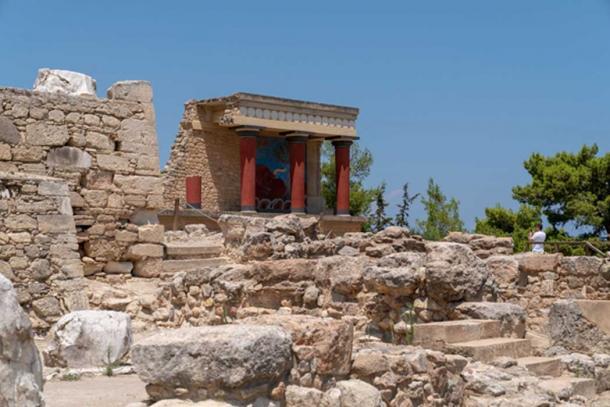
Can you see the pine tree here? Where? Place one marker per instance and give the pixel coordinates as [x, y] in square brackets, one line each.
[442, 216]
[379, 220]
[402, 217]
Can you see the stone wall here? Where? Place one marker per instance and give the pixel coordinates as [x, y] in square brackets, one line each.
[105, 150]
[483, 246]
[536, 281]
[39, 247]
[209, 152]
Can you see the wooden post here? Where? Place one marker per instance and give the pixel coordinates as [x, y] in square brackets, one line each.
[176, 209]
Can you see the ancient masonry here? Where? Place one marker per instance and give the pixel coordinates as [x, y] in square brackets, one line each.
[103, 157]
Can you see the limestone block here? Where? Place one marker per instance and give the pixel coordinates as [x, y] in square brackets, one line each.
[145, 250]
[72, 268]
[43, 134]
[70, 157]
[56, 224]
[538, 263]
[20, 237]
[99, 141]
[137, 91]
[67, 82]
[235, 361]
[137, 131]
[89, 339]
[111, 122]
[27, 153]
[95, 198]
[21, 383]
[148, 268]
[40, 269]
[53, 188]
[297, 396]
[148, 163]
[47, 307]
[77, 200]
[126, 236]
[5, 152]
[20, 222]
[112, 162]
[114, 267]
[138, 184]
[57, 116]
[91, 120]
[151, 233]
[8, 132]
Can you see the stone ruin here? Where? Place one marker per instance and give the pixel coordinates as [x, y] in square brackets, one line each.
[267, 311]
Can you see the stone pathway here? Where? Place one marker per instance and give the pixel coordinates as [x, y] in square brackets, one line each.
[99, 391]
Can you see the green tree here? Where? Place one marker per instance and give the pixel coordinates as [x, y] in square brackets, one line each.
[379, 220]
[570, 187]
[442, 215]
[361, 197]
[402, 217]
[499, 221]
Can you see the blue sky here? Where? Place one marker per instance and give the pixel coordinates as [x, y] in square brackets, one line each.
[461, 91]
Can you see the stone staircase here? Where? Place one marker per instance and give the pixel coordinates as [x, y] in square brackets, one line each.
[482, 340]
[189, 255]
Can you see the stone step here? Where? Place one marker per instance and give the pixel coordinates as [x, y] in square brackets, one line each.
[542, 366]
[193, 251]
[579, 385]
[486, 350]
[175, 266]
[456, 331]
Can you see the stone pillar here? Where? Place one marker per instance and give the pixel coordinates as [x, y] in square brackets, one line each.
[342, 174]
[315, 202]
[247, 156]
[296, 148]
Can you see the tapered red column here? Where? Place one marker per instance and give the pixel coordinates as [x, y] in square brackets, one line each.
[342, 174]
[247, 156]
[296, 148]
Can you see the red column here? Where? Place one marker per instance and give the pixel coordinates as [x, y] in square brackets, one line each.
[193, 191]
[247, 155]
[342, 174]
[296, 146]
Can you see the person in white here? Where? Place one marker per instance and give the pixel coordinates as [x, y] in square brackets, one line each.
[537, 239]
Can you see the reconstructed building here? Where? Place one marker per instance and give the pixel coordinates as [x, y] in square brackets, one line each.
[255, 153]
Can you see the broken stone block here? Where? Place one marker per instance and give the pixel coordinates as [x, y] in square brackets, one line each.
[67, 82]
[43, 134]
[53, 188]
[137, 91]
[148, 268]
[89, 339]
[56, 224]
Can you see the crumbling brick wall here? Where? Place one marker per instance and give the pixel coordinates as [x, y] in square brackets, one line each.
[209, 152]
[39, 247]
[105, 149]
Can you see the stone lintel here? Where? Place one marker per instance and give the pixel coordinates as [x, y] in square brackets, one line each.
[279, 115]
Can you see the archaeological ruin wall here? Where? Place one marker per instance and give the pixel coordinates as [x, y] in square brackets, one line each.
[209, 151]
[39, 247]
[104, 149]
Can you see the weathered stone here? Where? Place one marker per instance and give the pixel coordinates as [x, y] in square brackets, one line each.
[53, 188]
[505, 269]
[20, 222]
[8, 132]
[47, 306]
[355, 393]
[113, 162]
[44, 134]
[114, 267]
[99, 141]
[512, 316]
[89, 339]
[233, 361]
[151, 233]
[571, 329]
[136, 91]
[303, 397]
[5, 152]
[67, 82]
[400, 281]
[326, 341]
[56, 224]
[148, 268]
[70, 157]
[137, 184]
[145, 250]
[454, 273]
[21, 371]
[538, 263]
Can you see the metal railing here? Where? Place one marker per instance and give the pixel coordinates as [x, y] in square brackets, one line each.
[190, 207]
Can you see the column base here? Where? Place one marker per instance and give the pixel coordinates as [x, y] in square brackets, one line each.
[342, 212]
[297, 210]
[248, 209]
